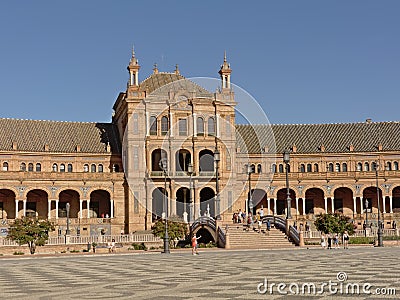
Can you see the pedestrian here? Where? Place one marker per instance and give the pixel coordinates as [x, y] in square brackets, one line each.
[394, 225]
[336, 241]
[113, 245]
[329, 241]
[346, 240]
[323, 241]
[195, 244]
[259, 226]
[240, 216]
[268, 225]
[261, 213]
[301, 226]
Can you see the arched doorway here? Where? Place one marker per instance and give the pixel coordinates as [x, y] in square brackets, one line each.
[158, 203]
[7, 204]
[156, 157]
[183, 159]
[259, 198]
[206, 236]
[207, 202]
[100, 206]
[343, 201]
[370, 195]
[281, 202]
[315, 201]
[206, 161]
[183, 202]
[36, 204]
[71, 197]
[396, 200]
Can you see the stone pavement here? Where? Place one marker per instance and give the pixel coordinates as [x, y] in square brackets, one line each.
[217, 274]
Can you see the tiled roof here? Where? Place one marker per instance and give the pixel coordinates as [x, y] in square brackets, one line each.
[309, 138]
[33, 135]
[162, 83]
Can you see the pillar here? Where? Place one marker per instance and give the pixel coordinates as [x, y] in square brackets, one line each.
[361, 206]
[48, 209]
[172, 206]
[16, 208]
[333, 204]
[217, 124]
[384, 204]
[24, 201]
[57, 201]
[354, 205]
[391, 204]
[171, 130]
[269, 205]
[80, 208]
[148, 124]
[304, 206]
[326, 204]
[194, 124]
[297, 206]
[111, 209]
[275, 207]
[88, 208]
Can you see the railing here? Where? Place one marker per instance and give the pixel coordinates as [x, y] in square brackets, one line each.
[294, 235]
[357, 233]
[280, 224]
[27, 175]
[210, 222]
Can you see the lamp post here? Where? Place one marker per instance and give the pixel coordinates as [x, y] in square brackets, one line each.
[191, 211]
[380, 239]
[67, 206]
[217, 159]
[163, 165]
[250, 203]
[366, 216]
[286, 160]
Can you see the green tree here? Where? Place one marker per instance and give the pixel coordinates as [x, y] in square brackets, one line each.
[177, 229]
[31, 231]
[334, 223]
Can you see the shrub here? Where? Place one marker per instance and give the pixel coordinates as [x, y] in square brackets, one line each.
[18, 253]
[74, 251]
[137, 246]
[361, 240]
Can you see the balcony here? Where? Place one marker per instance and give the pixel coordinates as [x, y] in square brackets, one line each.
[26, 176]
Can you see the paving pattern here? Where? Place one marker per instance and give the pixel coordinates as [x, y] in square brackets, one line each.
[215, 274]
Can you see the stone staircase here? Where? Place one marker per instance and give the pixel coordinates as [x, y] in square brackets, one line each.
[241, 238]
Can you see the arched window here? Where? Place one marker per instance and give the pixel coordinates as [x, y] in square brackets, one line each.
[316, 168]
[309, 168]
[69, 168]
[38, 167]
[5, 166]
[100, 168]
[330, 167]
[22, 167]
[85, 168]
[259, 168]
[337, 167]
[302, 168]
[366, 166]
[93, 168]
[211, 126]
[359, 167]
[373, 166]
[388, 166]
[153, 125]
[116, 167]
[164, 125]
[344, 167]
[200, 126]
[395, 166]
[30, 167]
[55, 168]
[273, 168]
[253, 168]
[62, 168]
[280, 168]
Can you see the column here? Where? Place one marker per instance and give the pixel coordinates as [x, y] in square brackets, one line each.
[269, 206]
[326, 204]
[275, 207]
[171, 124]
[391, 204]
[333, 204]
[194, 124]
[217, 122]
[304, 206]
[172, 206]
[137, 78]
[48, 209]
[16, 208]
[24, 201]
[354, 205]
[112, 209]
[297, 206]
[384, 204]
[148, 124]
[88, 208]
[80, 208]
[361, 206]
[57, 201]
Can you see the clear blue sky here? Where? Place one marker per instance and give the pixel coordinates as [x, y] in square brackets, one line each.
[304, 61]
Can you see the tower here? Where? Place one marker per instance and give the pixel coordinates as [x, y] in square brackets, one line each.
[133, 69]
[225, 73]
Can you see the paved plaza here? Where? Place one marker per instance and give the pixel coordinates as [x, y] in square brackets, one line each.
[216, 274]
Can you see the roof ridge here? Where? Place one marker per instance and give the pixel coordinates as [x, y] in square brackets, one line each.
[55, 121]
[169, 73]
[319, 124]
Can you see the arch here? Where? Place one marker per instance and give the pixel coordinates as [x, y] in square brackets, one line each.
[373, 166]
[273, 168]
[343, 200]
[314, 201]
[54, 168]
[5, 166]
[100, 204]
[259, 198]
[115, 167]
[302, 168]
[22, 167]
[359, 167]
[206, 161]
[93, 168]
[316, 168]
[100, 168]
[395, 166]
[206, 232]
[37, 203]
[337, 167]
[366, 167]
[164, 125]
[68, 196]
[281, 170]
[183, 158]
[344, 167]
[158, 202]
[259, 168]
[182, 201]
[38, 167]
[153, 125]
[200, 126]
[252, 168]
[7, 202]
[309, 168]
[62, 168]
[85, 168]
[30, 167]
[330, 167]
[69, 168]
[370, 194]
[156, 157]
[281, 201]
[396, 199]
[211, 126]
[207, 202]
[388, 166]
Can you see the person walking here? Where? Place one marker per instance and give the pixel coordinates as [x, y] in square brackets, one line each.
[195, 244]
[329, 241]
[336, 241]
[323, 241]
[346, 239]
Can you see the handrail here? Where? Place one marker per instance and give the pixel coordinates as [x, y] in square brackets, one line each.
[294, 235]
[210, 222]
[280, 224]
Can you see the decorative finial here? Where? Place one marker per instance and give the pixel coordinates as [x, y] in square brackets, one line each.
[133, 50]
[176, 69]
[155, 70]
[224, 55]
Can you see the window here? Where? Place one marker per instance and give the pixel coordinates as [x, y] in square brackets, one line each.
[69, 168]
[252, 168]
[30, 167]
[395, 166]
[22, 167]
[366, 167]
[316, 168]
[273, 168]
[85, 168]
[280, 168]
[153, 125]
[55, 168]
[93, 168]
[344, 167]
[337, 167]
[62, 168]
[164, 125]
[259, 168]
[135, 123]
[330, 167]
[182, 127]
[116, 167]
[100, 168]
[309, 168]
[373, 166]
[388, 166]
[200, 126]
[302, 168]
[211, 126]
[38, 167]
[5, 166]
[359, 167]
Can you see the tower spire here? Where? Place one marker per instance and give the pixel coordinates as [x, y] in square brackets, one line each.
[133, 69]
[225, 73]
